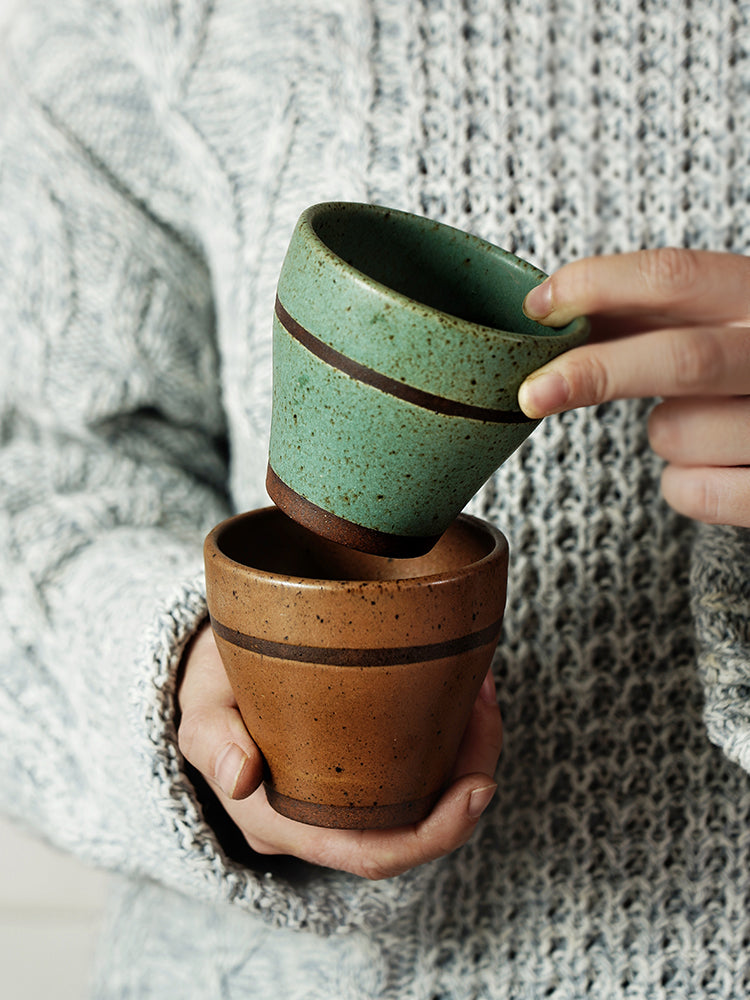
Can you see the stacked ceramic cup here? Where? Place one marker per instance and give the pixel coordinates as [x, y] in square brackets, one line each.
[361, 613]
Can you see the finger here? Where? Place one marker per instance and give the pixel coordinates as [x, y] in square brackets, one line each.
[687, 361]
[448, 827]
[683, 284]
[712, 495]
[373, 854]
[204, 672]
[609, 327]
[211, 734]
[481, 744]
[710, 431]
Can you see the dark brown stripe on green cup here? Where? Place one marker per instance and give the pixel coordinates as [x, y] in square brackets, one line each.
[366, 656]
[391, 386]
[338, 529]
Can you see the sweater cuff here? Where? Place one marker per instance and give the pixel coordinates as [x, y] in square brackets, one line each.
[721, 606]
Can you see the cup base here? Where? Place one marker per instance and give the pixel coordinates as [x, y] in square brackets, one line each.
[374, 817]
[338, 529]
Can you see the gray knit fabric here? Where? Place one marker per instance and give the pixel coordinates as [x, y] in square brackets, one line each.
[154, 157]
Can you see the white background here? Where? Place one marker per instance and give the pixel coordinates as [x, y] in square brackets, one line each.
[50, 905]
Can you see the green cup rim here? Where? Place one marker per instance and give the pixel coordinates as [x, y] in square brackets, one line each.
[576, 330]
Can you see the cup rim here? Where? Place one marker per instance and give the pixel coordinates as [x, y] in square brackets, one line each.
[571, 330]
[212, 550]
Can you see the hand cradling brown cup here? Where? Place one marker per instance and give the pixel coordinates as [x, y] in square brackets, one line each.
[355, 674]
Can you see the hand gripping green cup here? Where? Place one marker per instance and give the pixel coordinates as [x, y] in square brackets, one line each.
[399, 346]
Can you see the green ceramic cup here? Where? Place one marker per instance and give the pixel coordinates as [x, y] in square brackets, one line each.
[399, 346]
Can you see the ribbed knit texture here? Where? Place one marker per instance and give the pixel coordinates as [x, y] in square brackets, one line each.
[154, 158]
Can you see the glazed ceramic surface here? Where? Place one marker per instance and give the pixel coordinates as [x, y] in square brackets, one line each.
[399, 347]
[355, 674]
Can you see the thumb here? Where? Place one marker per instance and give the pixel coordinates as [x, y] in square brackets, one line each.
[211, 734]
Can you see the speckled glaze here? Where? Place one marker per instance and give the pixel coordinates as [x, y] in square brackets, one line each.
[399, 347]
[355, 674]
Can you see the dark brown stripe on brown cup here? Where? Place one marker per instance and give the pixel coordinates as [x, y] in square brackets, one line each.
[338, 529]
[391, 386]
[364, 656]
[351, 817]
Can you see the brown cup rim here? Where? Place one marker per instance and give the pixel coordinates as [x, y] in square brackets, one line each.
[212, 551]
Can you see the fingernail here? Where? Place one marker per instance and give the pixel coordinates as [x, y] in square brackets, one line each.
[487, 690]
[229, 767]
[538, 303]
[543, 394]
[479, 799]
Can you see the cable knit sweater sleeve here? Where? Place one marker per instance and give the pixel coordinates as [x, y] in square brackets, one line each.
[112, 469]
[110, 472]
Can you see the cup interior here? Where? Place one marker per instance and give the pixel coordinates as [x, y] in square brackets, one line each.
[270, 542]
[440, 267]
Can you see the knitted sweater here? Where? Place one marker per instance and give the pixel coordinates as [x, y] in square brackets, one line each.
[154, 158]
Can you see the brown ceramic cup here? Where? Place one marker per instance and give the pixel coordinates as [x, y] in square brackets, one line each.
[355, 674]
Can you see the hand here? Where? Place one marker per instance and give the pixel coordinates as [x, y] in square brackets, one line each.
[669, 323]
[213, 738]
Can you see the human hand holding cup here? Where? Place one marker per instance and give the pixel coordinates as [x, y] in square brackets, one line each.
[355, 674]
